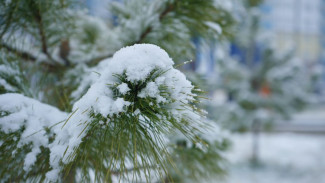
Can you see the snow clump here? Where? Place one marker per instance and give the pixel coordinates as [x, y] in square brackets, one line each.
[138, 83]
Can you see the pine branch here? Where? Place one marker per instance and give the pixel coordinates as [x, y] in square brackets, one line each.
[161, 17]
[96, 60]
[127, 170]
[35, 14]
[7, 24]
[22, 54]
[31, 58]
[167, 10]
[39, 20]
[143, 35]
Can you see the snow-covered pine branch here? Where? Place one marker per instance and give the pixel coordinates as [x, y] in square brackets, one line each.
[11, 78]
[123, 118]
[137, 100]
[195, 160]
[27, 127]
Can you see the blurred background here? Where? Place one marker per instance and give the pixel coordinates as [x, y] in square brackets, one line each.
[266, 87]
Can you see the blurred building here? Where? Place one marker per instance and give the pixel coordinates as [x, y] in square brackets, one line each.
[297, 24]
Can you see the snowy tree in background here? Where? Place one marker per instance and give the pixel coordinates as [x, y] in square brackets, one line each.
[81, 99]
[261, 89]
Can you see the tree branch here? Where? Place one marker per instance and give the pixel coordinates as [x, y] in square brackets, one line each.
[144, 35]
[118, 172]
[36, 14]
[169, 8]
[8, 22]
[162, 15]
[23, 54]
[29, 57]
[96, 60]
[39, 20]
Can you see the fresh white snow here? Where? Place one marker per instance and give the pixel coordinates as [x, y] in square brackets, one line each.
[135, 63]
[34, 116]
[285, 158]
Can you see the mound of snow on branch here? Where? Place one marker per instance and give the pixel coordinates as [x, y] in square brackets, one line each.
[131, 66]
[19, 112]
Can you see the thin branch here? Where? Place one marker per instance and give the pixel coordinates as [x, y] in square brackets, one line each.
[163, 14]
[169, 9]
[44, 46]
[29, 57]
[23, 54]
[161, 17]
[96, 60]
[144, 35]
[118, 172]
[8, 22]
[39, 20]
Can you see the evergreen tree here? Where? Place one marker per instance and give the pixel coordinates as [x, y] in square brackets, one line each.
[261, 89]
[74, 106]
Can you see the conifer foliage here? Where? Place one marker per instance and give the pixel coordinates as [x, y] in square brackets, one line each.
[81, 99]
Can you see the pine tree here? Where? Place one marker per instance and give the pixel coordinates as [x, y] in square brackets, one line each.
[264, 89]
[77, 106]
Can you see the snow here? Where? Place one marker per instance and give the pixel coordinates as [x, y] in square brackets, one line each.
[7, 2]
[135, 63]
[6, 71]
[311, 116]
[213, 132]
[34, 116]
[123, 88]
[151, 90]
[135, 17]
[226, 4]
[119, 105]
[138, 61]
[91, 38]
[89, 76]
[214, 26]
[285, 158]
[6, 85]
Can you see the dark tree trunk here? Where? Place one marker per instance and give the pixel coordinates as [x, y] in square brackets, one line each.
[255, 142]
